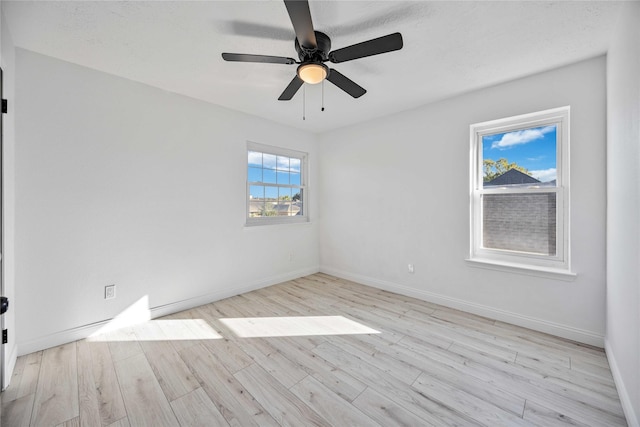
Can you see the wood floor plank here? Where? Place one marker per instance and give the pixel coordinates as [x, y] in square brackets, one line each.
[519, 381]
[502, 337]
[541, 416]
[285, 407]
[555, 344]
[332, 377]
[73, 422]
[570, 377]
[282, 368]
[582, 407]
[195, 409]
[432, 412]
[144, 400]
[172, 373]
[110, 402]
[461, 401]
[331, 407]
[229, 354]
[30, 375]
[57, 393]
[593, 369]
[445, 370]
[11, 392]
[383, 361]
[232, 400]
[123, 343]
[87, 389]
[185, 326]
[17, 412]
[385, 411]
[122, 422]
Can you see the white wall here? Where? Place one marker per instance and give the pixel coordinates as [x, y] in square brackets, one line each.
[121, 183]
[623, 212]
[7, 61]
[396, 191]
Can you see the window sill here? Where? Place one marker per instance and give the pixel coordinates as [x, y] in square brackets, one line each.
[528, 270]
[260, 224]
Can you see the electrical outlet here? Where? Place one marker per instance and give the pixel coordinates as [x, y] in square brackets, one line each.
[410, 268]
[110, 292]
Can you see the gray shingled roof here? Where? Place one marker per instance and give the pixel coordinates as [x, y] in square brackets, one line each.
[511, 177]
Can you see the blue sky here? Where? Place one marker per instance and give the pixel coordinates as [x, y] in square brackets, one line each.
[273, 169]
[534, 149]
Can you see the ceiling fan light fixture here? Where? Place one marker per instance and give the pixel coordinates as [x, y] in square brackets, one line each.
[313, 73]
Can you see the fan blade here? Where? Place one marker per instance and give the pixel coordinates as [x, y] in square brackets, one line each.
[372, 47]
[346, 84]
[244, 57]
[291, 89]
[301, 19]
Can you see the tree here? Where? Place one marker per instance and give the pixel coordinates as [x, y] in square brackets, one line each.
[268, 210]
[296, 197]
[495, 168]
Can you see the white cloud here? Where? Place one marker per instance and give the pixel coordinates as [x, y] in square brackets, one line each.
[518, 137]
[269, 161]
[544, 175]
[255, 158]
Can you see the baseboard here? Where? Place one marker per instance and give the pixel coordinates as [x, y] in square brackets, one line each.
[83, 331]
[541, 325]
[625, 400]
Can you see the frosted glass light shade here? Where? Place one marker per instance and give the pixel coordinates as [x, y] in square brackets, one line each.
[312, 73]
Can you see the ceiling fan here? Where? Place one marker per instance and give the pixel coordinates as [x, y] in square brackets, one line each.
[313, 49]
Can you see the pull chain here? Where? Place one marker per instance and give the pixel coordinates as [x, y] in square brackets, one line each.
[304, 101]
[322, 109]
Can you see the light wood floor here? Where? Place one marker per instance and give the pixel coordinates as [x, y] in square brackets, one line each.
[325, 352]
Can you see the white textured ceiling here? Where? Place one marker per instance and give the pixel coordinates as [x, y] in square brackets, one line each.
[449, 48]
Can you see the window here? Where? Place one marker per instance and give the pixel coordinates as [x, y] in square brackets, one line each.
[276, 185]
[520, 191]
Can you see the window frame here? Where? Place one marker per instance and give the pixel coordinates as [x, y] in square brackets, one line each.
[304, 189]
[560, 262]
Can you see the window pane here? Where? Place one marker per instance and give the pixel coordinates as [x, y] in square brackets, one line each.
[256, 192]
[284, 194]
[255, 174]
[255, 158]
[283, 163]
[520, 222]
[295, 165]
[284, 202]
[521, 158]
[283, 177]
[256, 208]
[269, 176]
[269, 161]
[271, 193]
[295, 178]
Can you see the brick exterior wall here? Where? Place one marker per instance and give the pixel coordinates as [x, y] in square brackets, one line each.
[520, 222]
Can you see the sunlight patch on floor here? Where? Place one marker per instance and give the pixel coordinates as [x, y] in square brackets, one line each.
[135, 324]
[161, 330]
[256, 327]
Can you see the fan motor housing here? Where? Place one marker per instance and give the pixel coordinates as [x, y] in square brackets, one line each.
[320, 54]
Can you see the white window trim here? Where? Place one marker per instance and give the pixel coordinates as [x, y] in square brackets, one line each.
[546, 266]
[278, 220]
